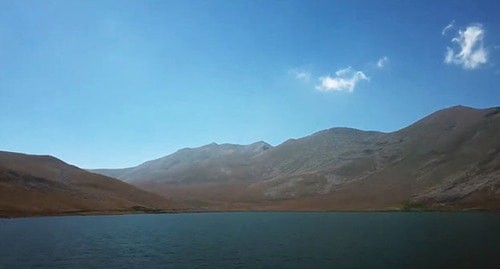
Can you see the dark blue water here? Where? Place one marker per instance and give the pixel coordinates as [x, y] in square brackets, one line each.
[254, 240]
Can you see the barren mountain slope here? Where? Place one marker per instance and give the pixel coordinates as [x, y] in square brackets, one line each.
[211, 162]
[44, 185]
[449, 159]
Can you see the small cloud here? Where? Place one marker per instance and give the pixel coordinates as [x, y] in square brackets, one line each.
[344, 80]
[470, 53]
[382, 62]
[301, 75]
[448, 27]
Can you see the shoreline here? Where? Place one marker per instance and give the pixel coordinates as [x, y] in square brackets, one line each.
[77, 213]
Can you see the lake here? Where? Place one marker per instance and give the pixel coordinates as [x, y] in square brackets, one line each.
[254, 240]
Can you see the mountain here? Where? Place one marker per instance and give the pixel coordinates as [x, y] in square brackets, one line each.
[211, 162]
[447, 160]
[43, 185]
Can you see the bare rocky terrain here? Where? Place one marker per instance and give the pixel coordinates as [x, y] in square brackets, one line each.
[33, 185]
[448, 160]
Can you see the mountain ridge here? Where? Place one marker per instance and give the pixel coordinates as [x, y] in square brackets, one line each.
[436, 161]
[448, 160]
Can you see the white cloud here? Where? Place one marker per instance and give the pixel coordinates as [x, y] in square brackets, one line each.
[301, 75]
[344, 80]
[471, 53]
[382, 62]
[448, 27]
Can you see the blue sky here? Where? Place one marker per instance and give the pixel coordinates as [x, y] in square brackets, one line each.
[116, 83]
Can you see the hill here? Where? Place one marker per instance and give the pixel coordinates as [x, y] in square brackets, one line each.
[43, 185]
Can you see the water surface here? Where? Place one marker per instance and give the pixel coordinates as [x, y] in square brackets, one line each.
[254, 240]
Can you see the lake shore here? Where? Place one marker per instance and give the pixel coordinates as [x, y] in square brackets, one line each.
[16, 215]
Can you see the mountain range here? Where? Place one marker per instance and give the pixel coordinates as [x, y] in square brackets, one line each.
[449, 160]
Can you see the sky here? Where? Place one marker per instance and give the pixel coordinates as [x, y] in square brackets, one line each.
[109, 84]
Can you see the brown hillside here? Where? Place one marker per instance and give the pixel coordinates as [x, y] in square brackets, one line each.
[44, 185]
[447, 160]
